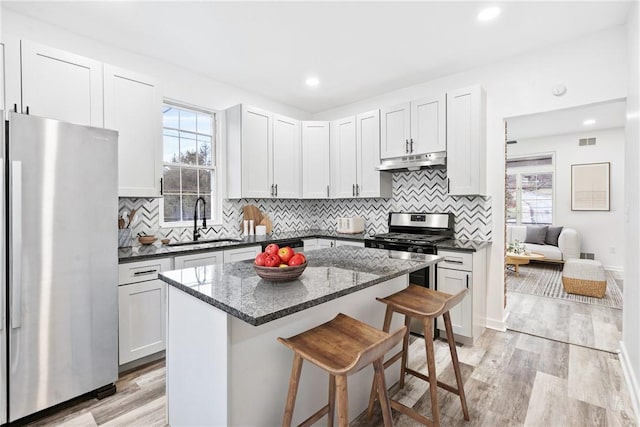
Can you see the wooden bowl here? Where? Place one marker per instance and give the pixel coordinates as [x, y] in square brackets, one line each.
[280, 274]
[147, 240]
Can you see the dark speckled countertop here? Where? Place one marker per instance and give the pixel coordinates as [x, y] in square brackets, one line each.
[331, 273]
[157, 250]
[462, 245]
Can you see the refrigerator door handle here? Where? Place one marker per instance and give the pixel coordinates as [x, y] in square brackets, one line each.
[16, 244]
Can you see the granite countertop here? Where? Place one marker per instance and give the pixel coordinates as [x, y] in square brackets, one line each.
[157, 250]
[331, 273]
[463, 245]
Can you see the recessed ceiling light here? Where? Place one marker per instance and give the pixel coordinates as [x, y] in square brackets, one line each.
[589, 122]
[488, 14]
[312, 81]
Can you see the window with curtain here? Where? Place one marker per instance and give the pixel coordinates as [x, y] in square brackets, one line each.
[189, 164]
[529, 195]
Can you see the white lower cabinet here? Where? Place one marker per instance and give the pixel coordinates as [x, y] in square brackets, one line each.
[241, 254]
[198, 260]
[142, 309]
[349, 243]
[459, 271]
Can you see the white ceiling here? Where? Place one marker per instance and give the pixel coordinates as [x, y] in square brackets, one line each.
[569, 120]
[356, 49]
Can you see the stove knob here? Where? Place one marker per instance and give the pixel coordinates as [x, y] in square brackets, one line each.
[381, 246]
[410, 249]
[420, 250]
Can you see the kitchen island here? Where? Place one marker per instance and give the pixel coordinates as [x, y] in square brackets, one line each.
[224, 365]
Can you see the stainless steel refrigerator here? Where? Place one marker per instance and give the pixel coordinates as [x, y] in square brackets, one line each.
[58, 305]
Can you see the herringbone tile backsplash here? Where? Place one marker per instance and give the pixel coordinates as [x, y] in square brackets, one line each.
[424, 190]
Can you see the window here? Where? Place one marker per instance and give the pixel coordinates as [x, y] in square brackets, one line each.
[529, 195]
[189, 164]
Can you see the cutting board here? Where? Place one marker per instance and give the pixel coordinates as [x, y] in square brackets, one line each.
[267, 223]
[251, 212]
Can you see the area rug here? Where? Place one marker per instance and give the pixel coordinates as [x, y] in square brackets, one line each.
[546, 280]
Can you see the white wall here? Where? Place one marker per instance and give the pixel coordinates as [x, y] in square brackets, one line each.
[177, 83]
[600, 231]
[630, 354]
[594, 69]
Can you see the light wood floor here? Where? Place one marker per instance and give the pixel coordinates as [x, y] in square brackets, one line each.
[511, 379]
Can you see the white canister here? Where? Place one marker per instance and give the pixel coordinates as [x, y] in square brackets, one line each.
[250, 227]
[261, 230]
[246, 227]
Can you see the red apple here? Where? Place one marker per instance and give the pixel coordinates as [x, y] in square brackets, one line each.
[297, 259]
[272, 249]
[304, 258]
[272, 260]
[260, 258]
[285, 254]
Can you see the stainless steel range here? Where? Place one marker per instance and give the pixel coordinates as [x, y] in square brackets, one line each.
[415, 232]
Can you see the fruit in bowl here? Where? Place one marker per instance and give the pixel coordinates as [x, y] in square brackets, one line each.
[277, 264]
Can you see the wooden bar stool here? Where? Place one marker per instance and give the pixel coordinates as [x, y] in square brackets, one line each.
[424, 304]
[342, 346]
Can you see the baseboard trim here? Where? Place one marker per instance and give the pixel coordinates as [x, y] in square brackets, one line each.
[631, 380]
[498, 325]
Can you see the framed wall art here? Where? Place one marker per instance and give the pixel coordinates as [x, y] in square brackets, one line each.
[590, 187]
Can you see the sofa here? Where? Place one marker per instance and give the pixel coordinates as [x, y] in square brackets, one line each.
[543, 242]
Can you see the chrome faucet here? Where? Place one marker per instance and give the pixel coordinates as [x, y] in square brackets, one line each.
[196, 232]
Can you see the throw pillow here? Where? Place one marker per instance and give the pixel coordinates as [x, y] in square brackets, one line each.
[536, 234]
[552, 235]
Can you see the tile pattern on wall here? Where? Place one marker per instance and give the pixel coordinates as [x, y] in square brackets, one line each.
[424, 190]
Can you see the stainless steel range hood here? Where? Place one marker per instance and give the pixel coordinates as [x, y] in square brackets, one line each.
[436, 160]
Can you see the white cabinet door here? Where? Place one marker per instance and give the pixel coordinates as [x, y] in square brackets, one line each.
[60, 85]
[257, 156]
[326, 243]
[310, 244]
[287, 178]
[142, 319]
[133, 107]
[395, 126]
[241, 254]
[315, 160]
[198, 260]
[452, 282]
[349, 243]
[466, 141]
[370, 183]
[428, 125]
[344, 154]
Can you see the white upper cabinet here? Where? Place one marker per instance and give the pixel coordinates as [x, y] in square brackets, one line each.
[414, 128]
[395, 130]
[60, 85]
[263, 154]
[315, 160]
[133, 107]
[371, 182]
[466, 141]
[428, 125]
[286, 158]
[257, 127]
[344, 157]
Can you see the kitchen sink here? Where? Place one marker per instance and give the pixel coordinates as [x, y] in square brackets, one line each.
[200, 242]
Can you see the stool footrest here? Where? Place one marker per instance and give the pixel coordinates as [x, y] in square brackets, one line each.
[426, 378]
[393, 359]
[315, 417]
[403, 409]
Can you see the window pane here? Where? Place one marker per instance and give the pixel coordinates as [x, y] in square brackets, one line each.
[204, 124]
[537, 198]
[171, 207]
[205, 182]
[188, 205]
[189, 181]
[171, 146]
[188, 120]
[187, 148]
[171, 182]
[204, 150]
[170, 117]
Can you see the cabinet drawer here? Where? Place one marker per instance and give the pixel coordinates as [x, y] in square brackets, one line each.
[140, 271]
[241, 254]
[456, 260]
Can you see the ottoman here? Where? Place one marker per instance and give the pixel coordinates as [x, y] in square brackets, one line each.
[584, 277]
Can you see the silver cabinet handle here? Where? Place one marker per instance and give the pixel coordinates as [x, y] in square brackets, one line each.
[327, 191]
[453, 261]
[276, 193]
[411, 145]
[467, 281]
[16, 244]
[353, 190]
[140, 273]
[406, 146]
[357, 190]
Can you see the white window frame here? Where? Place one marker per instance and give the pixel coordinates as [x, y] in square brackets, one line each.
[218, 166]
[532, 169]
